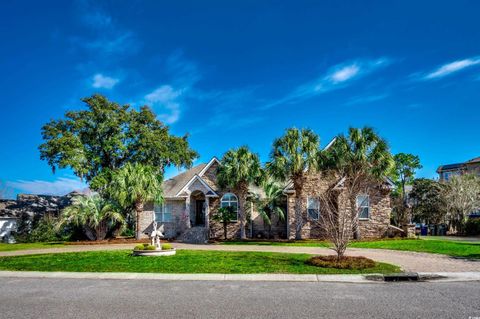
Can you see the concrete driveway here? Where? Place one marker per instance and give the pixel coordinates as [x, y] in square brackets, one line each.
[409, 261]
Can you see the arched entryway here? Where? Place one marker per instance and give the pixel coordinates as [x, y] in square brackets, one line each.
[198, 207]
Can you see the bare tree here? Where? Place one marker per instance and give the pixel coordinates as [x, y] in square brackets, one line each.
[337, 221]
[462, 197]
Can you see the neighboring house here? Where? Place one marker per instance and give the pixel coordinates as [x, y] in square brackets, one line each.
[194, 195]
[445, 172]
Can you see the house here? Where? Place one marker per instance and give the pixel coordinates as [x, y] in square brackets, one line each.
[194, 195]
[445, 172]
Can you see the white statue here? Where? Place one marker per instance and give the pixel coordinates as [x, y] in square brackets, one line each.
[156, 235]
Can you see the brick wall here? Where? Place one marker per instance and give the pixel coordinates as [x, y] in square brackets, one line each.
[315, 185]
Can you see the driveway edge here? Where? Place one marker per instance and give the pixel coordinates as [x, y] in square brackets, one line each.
[440, 277]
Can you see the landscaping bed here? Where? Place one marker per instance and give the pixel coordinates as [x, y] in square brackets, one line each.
[185, 261]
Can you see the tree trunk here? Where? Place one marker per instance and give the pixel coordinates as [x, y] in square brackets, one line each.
[225, 225]
[101, 230]
[242, 192]
[138, 210]
[89, 233]
[356, 229]
[298, 185]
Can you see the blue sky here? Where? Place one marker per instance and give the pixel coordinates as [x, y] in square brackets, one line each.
[234, 73]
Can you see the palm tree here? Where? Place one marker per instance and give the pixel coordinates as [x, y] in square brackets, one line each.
[270, 204]
[361, 157]
[93, 213]
[292, 156]
[239, 168]
[135, 184]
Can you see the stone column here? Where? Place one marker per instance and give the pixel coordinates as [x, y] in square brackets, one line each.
[207, 216]
[187, 212]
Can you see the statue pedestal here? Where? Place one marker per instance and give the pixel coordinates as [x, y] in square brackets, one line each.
[165, 252]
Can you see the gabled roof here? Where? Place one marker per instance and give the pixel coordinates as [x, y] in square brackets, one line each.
[174, 186]
[210, 192]
[450, 167]
[474, 160]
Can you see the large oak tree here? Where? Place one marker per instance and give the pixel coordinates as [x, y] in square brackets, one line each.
[105, 136]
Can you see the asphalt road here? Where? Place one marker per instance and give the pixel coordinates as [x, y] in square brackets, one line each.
[68, 298]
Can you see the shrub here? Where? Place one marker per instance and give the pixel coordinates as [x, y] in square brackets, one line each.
[473, 227]
[167, 246]
[44, 230]
[139, 247]
[149, 247]
[346, 262]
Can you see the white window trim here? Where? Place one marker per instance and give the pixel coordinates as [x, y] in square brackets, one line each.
[164, 205]
[368, 207]
[230, 201]
[318, 208]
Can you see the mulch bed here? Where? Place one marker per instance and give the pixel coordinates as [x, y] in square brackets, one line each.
[346, 262]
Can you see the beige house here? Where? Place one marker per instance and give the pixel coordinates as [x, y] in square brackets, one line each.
[192, 197]
[472, 166]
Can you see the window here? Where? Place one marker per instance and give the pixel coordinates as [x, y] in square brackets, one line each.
[446, 176]
[313, 208]
[230, 200]
[363, 206]
[163, 213]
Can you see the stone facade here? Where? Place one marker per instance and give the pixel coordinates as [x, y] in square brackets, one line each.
[202, 186]
[318, 184]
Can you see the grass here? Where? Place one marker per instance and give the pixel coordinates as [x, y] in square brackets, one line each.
[185, 261]
[24, 246]
[445, 247]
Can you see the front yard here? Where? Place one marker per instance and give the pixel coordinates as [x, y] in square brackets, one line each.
[185, 261]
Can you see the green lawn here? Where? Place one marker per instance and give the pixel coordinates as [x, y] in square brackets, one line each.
[445, 247]
[23, 246]
[185, 261]
[451, 248]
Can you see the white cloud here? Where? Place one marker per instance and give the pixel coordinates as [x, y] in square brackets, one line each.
[165, 98]
[337, 77]
[61, 186]
[101, 81]
[452, 67]
[345, 73]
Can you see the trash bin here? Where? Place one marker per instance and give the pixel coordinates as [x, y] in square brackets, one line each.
[424, 231]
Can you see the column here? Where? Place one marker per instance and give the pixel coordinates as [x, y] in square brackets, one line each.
[207, 216]
[187, 212]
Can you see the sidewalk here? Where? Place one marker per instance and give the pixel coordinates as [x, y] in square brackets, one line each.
[446, 276]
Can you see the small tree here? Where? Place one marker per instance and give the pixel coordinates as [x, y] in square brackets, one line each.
[429, 204]
[135, 184]
[225, 215]
[239, 168]
[462, 196]
[403, 174]
[270, 204]
[336, 222]
[94, 214]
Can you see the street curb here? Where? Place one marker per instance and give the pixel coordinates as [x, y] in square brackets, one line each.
[370, 278]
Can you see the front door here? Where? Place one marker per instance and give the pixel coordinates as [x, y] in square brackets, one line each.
[199, 213]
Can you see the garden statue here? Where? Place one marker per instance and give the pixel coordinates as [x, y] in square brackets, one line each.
[156, 235]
